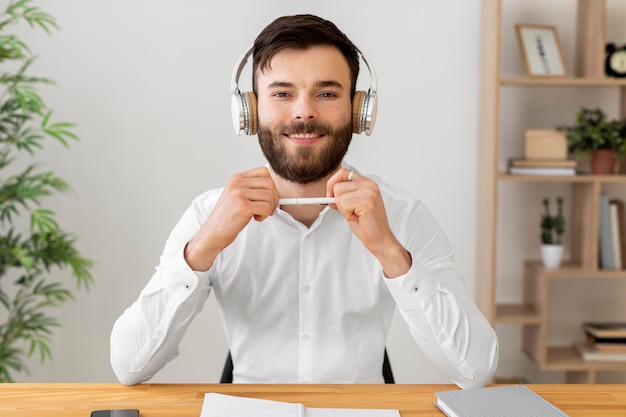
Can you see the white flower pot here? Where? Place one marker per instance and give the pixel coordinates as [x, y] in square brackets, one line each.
[552, 256]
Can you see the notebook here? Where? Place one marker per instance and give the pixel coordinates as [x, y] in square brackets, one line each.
[506, 401]
[222, 405]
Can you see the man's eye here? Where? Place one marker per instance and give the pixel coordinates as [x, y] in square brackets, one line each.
[328, 95]
[280, 94]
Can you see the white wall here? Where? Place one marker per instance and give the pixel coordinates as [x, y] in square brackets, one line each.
[147, 83]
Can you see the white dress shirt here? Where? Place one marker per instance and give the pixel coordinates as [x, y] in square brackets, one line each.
[309, 305]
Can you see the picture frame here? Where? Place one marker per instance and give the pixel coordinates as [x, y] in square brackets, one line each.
[541, 50]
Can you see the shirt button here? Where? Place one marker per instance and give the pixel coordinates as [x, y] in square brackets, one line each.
[416, 289]
[306, 288]
[442, 338]
[306, 337]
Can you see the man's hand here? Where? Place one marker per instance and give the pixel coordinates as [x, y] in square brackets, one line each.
[248, 195]
[360, 202]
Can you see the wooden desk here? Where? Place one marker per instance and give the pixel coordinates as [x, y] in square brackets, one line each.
[182, 400]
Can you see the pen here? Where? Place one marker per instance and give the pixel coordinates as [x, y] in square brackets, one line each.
[305, 200]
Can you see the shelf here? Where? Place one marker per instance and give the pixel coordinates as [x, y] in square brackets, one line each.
[530, 313]
[517, 314]
[512, 102]
[563, 82]
[566, 358]
[575, 271]
[563, 178]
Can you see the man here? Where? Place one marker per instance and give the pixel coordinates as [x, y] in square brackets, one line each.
[307, 292]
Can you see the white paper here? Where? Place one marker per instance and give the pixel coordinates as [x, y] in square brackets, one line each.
[221, 405]
[350, 412]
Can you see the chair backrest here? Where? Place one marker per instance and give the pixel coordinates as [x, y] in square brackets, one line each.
[227, 372]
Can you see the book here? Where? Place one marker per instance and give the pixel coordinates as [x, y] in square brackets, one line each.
[618, 347]
[506, 401]
[605, 341]
[615, 240]
[614, 341]
[606, 242]
[588, 353]
[550, 163]
[548, 171]
[603, 330]
[621, 227]
[222, 405]
[569, 163]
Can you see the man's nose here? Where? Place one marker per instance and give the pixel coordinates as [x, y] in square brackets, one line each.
[305, 109]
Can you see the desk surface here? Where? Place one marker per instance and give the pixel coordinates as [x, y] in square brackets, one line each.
[182, 400]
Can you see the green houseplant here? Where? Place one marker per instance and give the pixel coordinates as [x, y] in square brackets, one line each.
[34, 250]
[595, 135]
[552, 229]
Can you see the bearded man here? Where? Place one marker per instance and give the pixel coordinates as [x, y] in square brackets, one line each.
[307, 292]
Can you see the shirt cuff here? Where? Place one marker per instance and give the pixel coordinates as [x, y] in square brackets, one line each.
[179, 280]
[179, 283]
[414, 289]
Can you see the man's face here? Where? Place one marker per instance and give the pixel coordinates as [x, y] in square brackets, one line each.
[305, 112]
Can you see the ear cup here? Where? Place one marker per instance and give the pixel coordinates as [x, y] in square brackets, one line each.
[243, 109]
[364, 109]
[252, 115]
[369, 112]
[357, 105]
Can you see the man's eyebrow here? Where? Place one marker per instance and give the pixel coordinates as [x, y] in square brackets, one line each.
[318, 84]
[280, 84]
[329, 83]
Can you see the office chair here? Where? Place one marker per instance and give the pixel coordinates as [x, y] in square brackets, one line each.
[227, 373]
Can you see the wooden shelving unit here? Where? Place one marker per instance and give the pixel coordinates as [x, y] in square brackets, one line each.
[568, 82]
[556, 358]
[531, 313]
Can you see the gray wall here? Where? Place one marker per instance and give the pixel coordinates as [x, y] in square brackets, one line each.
[147, 83]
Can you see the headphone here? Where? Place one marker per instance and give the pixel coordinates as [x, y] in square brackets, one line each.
[244, 105]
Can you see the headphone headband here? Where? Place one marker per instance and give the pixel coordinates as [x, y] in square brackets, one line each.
[243, 105]
[239, 66]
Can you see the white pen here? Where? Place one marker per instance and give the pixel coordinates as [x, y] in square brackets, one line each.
[306, 200]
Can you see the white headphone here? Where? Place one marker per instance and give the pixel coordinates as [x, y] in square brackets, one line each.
[243, 105]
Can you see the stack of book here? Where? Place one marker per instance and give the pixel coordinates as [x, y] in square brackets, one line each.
[542, 167]
[606, 341]
[612, 233]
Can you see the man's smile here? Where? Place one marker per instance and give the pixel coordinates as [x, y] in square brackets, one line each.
[305, 135]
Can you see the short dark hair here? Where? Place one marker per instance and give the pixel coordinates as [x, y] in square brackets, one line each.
[302, 32]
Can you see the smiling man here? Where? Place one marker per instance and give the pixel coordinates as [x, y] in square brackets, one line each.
[307, 292]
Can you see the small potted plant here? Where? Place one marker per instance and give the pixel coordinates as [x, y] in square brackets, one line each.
[552, 229]
[595, 135]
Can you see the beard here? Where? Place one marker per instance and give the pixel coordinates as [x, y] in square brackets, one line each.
[306, 165]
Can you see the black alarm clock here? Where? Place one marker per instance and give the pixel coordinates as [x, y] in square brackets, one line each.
[615, 64]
